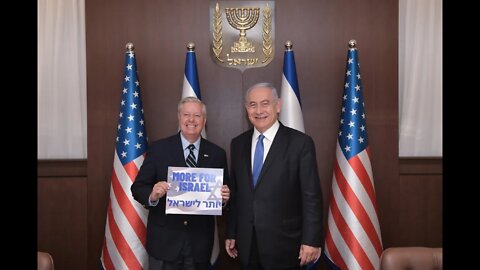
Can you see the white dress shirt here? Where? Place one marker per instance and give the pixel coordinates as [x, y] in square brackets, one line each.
[267, 141]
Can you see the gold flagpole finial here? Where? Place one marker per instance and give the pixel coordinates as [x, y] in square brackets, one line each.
[129, 46]
[352, 43]
[191, 47]
[288, 45]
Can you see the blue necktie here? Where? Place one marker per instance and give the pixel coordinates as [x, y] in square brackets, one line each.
[191, 162]
[258, 159]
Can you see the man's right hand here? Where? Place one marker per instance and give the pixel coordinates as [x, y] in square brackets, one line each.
[159, 190]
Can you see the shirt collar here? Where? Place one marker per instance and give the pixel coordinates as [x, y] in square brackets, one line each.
[186, 143]
[269, 133]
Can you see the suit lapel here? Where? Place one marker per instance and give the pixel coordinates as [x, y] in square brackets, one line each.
[177, 153]
[203, 155]
[276, 150]
[247, 152]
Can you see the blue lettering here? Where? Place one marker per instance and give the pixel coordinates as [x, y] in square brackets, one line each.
[175, 176]
[207, 177]
[194, 187]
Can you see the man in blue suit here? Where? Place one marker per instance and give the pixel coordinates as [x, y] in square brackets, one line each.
[179, 242]
[275, 210]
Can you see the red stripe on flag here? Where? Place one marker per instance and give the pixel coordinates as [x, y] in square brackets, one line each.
[131, 169]
[107, 261]
[122, 245]
[129, 211]
[357, 208]
[362, 174]
[332, 248]
[349, 237]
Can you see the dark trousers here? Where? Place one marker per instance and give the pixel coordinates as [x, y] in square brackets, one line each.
[254, 262]
[184, 261]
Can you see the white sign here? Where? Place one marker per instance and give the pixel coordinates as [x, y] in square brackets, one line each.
[194, 191]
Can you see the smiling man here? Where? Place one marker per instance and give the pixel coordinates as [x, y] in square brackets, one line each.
[275, 213]
[179, 242]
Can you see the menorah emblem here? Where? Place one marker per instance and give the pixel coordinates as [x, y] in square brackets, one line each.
[242, 19]
[230, 17]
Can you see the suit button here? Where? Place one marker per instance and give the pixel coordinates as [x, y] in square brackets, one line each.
[185, 223]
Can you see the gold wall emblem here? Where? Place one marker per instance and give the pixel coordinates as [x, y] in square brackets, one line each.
[242, 33]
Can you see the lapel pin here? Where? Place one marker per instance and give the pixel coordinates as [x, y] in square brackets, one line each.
[205, 155]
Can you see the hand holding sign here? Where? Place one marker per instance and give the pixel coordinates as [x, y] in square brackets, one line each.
[159, 190]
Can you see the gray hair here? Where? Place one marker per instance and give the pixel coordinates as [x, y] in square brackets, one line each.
[195, 100]
[262, 85]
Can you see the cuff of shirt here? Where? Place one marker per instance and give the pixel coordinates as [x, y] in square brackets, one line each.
[152, 203]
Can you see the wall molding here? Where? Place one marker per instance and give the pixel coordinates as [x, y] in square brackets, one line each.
[420, 165]
[62, 168]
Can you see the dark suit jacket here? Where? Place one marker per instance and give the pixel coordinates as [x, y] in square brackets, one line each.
[285, 207]
[165, 232]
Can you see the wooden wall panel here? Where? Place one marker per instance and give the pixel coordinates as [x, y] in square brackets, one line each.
[62, 212]
[421, 202]
[420, 213]
[319, 30]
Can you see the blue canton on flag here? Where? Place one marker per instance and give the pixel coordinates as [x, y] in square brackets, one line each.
[131, 136]
[352, 136]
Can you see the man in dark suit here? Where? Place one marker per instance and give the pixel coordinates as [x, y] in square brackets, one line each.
[179, 242]
[275, 210]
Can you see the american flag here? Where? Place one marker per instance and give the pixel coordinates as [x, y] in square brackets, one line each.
[353, 238]
[124, 245]
[291, 112]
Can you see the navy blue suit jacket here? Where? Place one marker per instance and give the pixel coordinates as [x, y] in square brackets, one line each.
[164, 231]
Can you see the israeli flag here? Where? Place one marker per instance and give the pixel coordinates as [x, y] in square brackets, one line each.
[291, 111]
[191, 86]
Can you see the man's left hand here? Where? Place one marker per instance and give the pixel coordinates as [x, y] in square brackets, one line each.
[308, 254]
[225, 194]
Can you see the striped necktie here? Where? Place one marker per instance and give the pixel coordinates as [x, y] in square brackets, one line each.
[191, 161]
